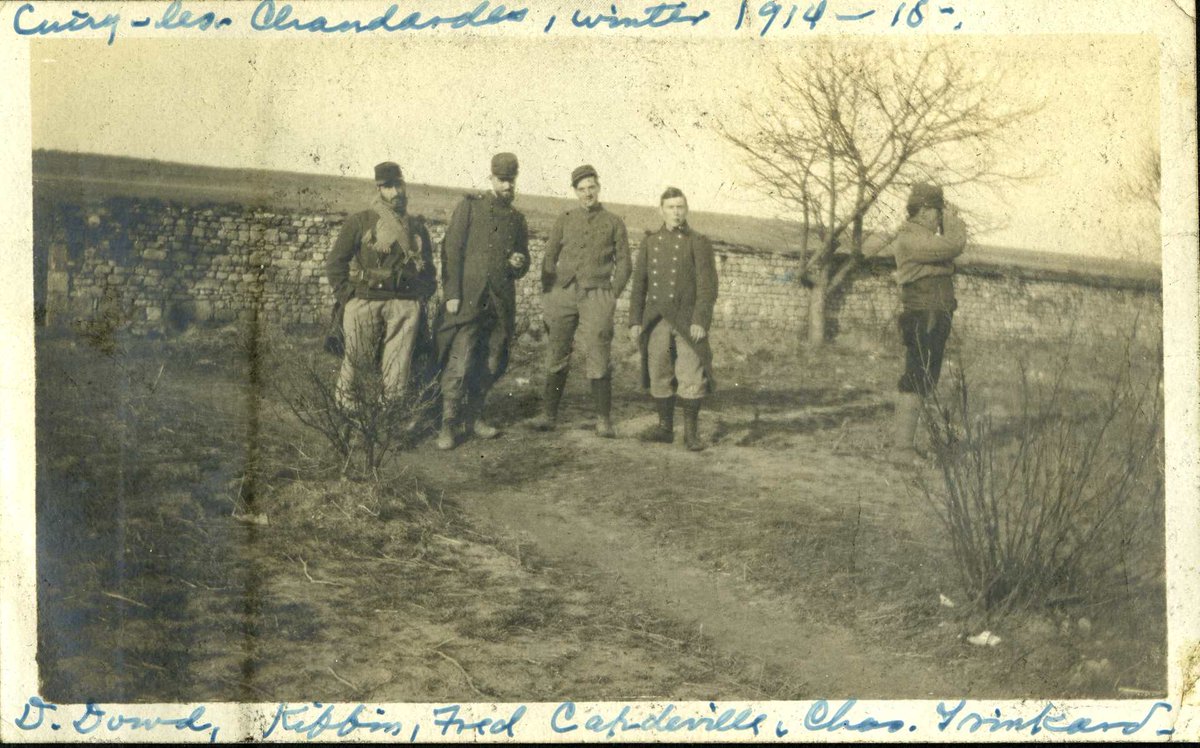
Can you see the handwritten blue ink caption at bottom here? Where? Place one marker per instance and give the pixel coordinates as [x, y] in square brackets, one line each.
[958, 718]
[97, 720]
[566, 719]
[314, 719]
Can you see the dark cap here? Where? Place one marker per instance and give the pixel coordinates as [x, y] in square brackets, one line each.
[926, 195]
[388, 173]
[504, 165]
[583, 172]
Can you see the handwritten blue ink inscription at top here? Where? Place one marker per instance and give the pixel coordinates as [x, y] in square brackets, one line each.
[175, 17]
[268, 16]
[777, 15]
[25, 23]
[654, 17]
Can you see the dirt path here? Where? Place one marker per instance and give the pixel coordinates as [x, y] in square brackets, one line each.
[560, 510]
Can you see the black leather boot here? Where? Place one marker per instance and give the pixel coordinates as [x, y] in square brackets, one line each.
[552, 394]
[691, 425]
[602, 397]
[664, 431]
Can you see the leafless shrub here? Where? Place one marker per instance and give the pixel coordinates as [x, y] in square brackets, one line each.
[365, 425]
[1045, 507]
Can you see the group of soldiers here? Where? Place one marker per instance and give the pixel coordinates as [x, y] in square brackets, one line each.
[382, 271]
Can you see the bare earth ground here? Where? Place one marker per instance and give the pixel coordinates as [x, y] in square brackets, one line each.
[194, 544]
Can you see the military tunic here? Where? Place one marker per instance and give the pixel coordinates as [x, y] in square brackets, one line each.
[585, 269]
[675, 282]
[473, 343]
[382, 290]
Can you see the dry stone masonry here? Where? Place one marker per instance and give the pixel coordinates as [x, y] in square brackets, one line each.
[148, 265]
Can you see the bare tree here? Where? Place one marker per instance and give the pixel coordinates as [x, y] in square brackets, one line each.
[853, 122]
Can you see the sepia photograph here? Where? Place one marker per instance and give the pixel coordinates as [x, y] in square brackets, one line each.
[447, 369]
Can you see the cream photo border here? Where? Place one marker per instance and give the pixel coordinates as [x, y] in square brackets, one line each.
[1171, 23]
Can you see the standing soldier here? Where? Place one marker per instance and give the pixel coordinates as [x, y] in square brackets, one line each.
[924, 248]
[670, 311]
[584, 271]
[485, 250]
[381, 270]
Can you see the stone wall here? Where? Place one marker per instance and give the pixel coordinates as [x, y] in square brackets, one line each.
[150, 264]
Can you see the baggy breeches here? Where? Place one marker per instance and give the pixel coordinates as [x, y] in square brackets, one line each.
[584, 316]
[672, 361]
[367, 325]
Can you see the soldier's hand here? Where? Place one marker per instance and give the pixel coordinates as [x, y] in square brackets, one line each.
[635, 332]
[452, 305]
[698, 332]
[516, 260]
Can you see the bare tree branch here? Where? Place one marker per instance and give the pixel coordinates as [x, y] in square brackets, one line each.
[852, 124]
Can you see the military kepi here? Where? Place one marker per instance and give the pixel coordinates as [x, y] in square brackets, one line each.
[581, 173]
[387, 173]
[504, 166]
[926, 195]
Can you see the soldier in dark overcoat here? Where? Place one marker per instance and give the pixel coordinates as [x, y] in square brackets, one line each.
[670, 313]
[485, 250]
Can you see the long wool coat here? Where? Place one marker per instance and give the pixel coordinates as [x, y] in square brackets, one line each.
[675, 278]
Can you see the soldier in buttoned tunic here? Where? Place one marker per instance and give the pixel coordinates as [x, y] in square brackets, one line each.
[670, 312]
[485, 250]
[925, 249]
[584, 271]
[381, 270]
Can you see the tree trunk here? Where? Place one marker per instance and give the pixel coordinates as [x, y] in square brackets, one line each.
[817, 296]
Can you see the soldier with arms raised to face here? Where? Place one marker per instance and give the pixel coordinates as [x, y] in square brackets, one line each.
[670, 312]
[924, 248]
[485, 250]
[584, 271]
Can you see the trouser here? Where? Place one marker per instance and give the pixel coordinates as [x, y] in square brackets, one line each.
[369, 324]
[671, 357]
[924, 334]
[474, 361]
[588, 312]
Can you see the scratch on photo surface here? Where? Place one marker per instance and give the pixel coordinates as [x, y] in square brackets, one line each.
[1190, 667]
